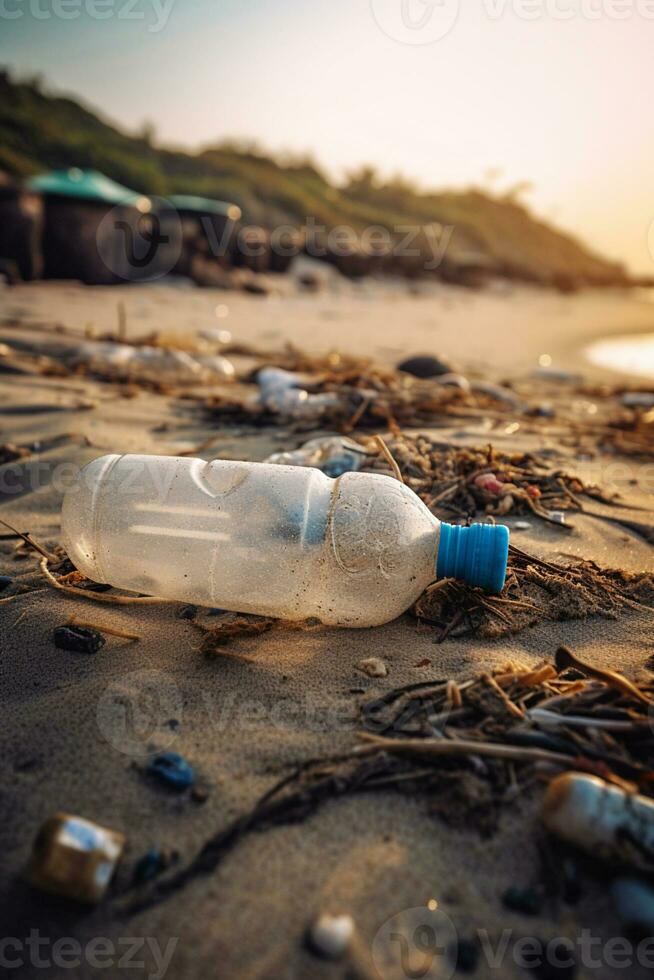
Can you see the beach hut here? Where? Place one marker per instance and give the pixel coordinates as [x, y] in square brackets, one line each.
[208, 231]
[95, 230]
[21, 223]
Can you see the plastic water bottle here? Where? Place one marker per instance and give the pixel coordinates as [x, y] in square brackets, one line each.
[283, 541]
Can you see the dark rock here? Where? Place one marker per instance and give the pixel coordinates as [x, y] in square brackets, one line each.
[5, 582]
[80, 639]
[173, 770]
[149, 866]
[424, 366]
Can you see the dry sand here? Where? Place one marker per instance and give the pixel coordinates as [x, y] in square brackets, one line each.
[243, 723]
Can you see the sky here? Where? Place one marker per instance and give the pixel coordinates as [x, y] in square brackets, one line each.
[451, 93]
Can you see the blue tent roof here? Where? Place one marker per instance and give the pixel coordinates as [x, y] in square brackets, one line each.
[203, 205]
[88, 185]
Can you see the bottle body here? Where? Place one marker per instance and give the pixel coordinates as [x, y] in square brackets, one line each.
[283, 541]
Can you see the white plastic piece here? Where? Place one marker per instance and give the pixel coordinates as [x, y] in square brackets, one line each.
[281, 392]
[331, 935]
[281, 541]
[155, 363]
[600, 818]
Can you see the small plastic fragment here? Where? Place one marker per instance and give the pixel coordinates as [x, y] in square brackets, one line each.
[333, 455]
[173, 770]
[80, 639]
[601, 818]
[75, 858]
[281, 392]
[154, 363]
[149, 866]
[330, 936]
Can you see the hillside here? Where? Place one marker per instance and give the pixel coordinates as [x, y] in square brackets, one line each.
[39, 131]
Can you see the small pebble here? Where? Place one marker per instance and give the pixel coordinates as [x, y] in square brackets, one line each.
[373, 667]
[80, 639]
[638, 399]
[524, 900]
[199, 794]
[331, 935]
[424, 366]
[5, 582]
[521, 526]
[173, 770]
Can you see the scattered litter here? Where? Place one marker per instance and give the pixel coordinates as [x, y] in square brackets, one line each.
[80, 639]
[330, 936]
[173, 770]
[158, 364]
[75, 858]
[334, 455]
[601, 818]
[556, 516]
[634, 902]
[373, 667]
[522, 526]
[281, 392]
[527, 901]
[424, 366]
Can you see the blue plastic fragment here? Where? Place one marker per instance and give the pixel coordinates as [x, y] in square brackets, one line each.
[173, 770]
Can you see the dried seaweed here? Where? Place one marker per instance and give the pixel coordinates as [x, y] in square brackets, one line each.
[536, 591]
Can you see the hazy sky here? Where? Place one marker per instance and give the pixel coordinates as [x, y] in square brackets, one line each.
[555, 92]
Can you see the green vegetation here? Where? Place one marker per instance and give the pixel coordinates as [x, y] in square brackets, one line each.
[39, 131]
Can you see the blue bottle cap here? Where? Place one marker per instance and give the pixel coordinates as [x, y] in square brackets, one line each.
[477, 554]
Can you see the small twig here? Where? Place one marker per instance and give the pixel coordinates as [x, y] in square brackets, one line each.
[428, 749]
[28, 539]
[565, 658]
[123, 634]
[511, 707]
[383, 448]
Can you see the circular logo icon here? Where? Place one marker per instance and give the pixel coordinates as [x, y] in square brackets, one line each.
[141, 240]
[418, 944]
[415, 21]
[140, 712]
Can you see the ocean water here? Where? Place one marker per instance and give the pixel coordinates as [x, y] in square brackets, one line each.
[633, 354]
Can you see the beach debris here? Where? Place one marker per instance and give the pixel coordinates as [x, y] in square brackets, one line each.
[638, 399]
[634, 902]
[522, 526]
[5, 582]
[334, 455]
[373, 667]
[424, 366]
[468, 760]
[466, 481]
[601, 818]
[281, 392]
[499, 393]
[75, 858]
[80, 639]
[330, 936]
[173, 770]
[158, 364]
[527, 901]
[535, 591]
[548, 373]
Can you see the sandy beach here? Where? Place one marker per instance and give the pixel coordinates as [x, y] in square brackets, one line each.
[246, 718]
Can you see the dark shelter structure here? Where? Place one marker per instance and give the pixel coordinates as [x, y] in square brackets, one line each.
[208, 230]
[21, 224]
[95, 230]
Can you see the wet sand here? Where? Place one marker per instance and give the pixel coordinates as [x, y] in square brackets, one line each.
[242, 724]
